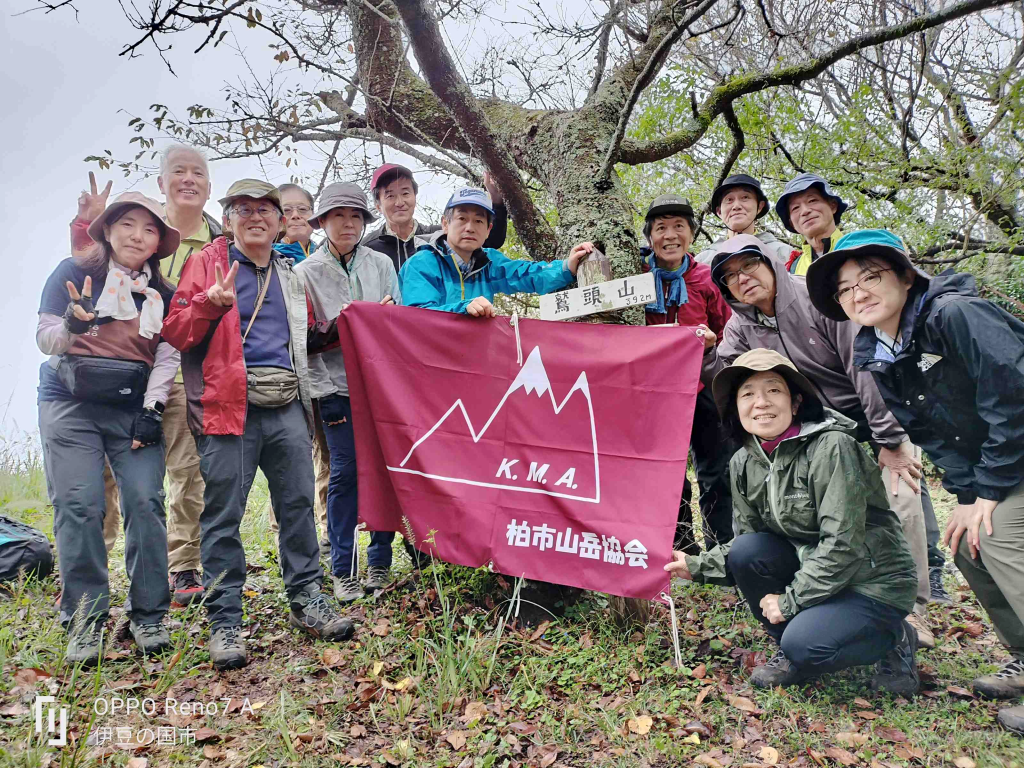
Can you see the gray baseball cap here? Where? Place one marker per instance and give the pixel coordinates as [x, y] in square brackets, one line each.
[341, 194]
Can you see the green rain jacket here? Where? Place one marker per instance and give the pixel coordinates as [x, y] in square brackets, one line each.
[822, 492]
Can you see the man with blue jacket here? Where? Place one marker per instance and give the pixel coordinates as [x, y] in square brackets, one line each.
[455, 273]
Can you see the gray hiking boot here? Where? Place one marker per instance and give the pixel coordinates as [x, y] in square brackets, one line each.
[227, 648]
[1007, 683]
[939, 593]
[1012, 719]
[315, 614]
[775, 672]
[85, 645]
[325, 547]
[377, 577]
[896, 672]
[347, 590]
[150, 638]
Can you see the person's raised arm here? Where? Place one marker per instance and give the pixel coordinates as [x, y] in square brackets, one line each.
[91, 203]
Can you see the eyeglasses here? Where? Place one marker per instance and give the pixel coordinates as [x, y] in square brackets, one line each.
[302, 210]
[246, 211]
[866, 283]
[748, 267]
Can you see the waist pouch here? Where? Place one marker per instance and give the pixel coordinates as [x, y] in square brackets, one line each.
[104, 379]
[271, 387]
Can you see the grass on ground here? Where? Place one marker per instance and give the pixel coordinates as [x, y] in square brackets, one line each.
[440, 673]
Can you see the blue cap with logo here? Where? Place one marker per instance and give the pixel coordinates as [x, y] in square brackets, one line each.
[471, 196]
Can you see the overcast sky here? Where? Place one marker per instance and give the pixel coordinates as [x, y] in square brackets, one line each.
[64, 87]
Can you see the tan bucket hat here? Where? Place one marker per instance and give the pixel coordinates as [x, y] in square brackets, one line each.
[254, 188]
[728, 379]
[170, 238]
[341, 194]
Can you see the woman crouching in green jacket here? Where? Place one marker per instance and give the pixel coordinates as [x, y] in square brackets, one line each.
[818, 554]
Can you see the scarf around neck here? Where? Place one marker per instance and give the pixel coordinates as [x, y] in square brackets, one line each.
[677, 294]
[116, 300]
[771, 445]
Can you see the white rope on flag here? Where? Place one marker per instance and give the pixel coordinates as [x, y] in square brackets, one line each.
[514, 322]
[675, 629]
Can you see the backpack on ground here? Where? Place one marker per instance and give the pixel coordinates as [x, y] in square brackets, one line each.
[23, 548]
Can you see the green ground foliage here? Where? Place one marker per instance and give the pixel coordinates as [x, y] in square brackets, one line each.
[442, 673]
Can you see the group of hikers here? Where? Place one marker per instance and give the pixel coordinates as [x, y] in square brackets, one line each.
[204, 350]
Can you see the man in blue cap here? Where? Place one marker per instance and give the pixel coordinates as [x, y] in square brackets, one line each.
[455, 273]
[809, 208]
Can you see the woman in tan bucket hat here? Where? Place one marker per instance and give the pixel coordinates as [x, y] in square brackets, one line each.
[818, 554]
[102, 393]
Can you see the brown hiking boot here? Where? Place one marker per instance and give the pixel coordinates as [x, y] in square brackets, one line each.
[896, 672]
[1012, 719]
[1007, 683]
[314, 613]
[186, 586]
[778, 670]
[925, 638]
[227, 648]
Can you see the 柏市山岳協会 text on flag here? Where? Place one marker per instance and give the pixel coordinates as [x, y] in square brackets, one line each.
[566, 467]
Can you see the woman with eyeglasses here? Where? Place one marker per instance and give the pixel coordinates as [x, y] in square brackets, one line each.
[950, 366]
[771, 309]
[296, 235]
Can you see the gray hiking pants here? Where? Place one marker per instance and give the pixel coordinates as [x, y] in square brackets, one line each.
[76, 434]
[277, 441]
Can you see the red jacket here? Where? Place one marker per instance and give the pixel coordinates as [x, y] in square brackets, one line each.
[704, 305]
[210, 340]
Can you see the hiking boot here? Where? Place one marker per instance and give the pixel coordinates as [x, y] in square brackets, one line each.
[150, 638]
[227, 648]
[316, 615]
[1012, 719]
[896, 672]
[925, 638]
[347, 590]
[186, 586]
[776, 671]
[939, 594]
[325, 547]
[377, 577]
[1007, 683]
[85, 645]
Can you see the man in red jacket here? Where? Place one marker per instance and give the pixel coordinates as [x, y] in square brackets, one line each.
[686, 294]
[239, 317]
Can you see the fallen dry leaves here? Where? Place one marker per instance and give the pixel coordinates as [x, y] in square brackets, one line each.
[475, 710]
[457, 739]
[743, 703]
[841, 755]
[768, 755]
[640, 725]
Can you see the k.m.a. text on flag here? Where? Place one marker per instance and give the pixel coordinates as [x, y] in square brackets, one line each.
[557, 453]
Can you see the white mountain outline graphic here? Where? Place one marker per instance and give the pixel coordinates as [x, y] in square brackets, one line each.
[533, 377]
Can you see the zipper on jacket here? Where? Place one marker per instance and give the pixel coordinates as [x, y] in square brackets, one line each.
[819, 389]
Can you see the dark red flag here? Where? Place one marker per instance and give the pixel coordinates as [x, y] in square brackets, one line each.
[566, 467]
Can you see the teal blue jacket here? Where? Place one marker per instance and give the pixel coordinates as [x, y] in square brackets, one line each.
[431, 280]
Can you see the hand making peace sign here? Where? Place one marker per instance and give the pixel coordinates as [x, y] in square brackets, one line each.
[222, 292]
[79, 314]
[92, 204]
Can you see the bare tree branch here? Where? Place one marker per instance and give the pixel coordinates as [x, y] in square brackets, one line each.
[634, 153]
[445, 81]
